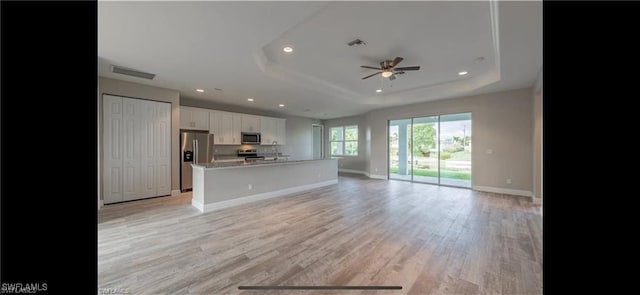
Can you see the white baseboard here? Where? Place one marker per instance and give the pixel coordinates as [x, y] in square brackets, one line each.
[175, 192]
[537, 201]
[197, 204]
[505, 191]
[257, 197]
[377, 176]
[352, 171]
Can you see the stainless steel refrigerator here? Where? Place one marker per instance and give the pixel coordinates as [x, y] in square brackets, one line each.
[196, 147]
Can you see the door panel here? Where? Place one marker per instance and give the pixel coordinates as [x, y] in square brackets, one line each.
[424, 149]
[147, 148]
[400, 158]
[163, 145]
[455, 149]
[112, 149]
[132, 148]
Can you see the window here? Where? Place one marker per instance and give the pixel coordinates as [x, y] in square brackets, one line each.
[344, 141]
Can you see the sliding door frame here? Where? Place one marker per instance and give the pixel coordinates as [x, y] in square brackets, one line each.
[439, 183]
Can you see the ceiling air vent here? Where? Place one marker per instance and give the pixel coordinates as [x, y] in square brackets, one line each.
[356, 42]
[131, 72]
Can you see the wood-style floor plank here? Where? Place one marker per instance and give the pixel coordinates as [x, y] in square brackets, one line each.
[425, 238]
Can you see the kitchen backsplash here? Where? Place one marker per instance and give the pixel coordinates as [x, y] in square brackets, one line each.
[233, 149]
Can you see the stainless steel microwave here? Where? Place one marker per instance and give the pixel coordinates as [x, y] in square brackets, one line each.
[250, 137]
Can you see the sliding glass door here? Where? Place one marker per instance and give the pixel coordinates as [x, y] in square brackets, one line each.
[435, 149]
[455, 149]
[425, 149]
[399, 149]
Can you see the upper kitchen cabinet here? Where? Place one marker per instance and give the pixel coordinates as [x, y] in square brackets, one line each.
[194, 118]
[214, 123]
[268, 131]
[250, 123]
[225, 127]
[281, 131]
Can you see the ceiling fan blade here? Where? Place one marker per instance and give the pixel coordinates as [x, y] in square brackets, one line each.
[383, 64]
[398, 73]
[408, 68]
[371, 75]
[368, 67]
[392, 77]
[396, 61]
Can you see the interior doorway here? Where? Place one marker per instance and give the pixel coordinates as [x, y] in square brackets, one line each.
[317, 142]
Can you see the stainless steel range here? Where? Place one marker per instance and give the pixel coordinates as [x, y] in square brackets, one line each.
[249, 154]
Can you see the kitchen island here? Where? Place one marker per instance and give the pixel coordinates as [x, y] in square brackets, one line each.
[221, 185]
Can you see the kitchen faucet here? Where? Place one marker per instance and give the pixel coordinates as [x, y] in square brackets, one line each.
[274, 148]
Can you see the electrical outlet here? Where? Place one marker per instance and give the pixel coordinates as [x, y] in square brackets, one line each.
[508, 180]
[250, 186]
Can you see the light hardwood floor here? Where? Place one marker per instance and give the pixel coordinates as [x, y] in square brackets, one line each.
[425, 238]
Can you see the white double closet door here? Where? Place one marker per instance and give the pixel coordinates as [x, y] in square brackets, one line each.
[136, 149]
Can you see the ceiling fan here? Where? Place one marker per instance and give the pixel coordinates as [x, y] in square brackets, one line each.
[388, 70]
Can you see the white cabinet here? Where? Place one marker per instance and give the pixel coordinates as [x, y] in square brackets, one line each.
[236, 130]
[194, 118]
[214, 124]
[268, 131]
[136, 143]
[225, 127]
[250, 123]
[281, 131]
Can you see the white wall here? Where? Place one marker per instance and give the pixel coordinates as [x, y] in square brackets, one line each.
[502, 122]
[298, 133]
[134, 90]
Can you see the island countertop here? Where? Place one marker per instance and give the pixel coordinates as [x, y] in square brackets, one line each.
[256, 163]
[221, 185]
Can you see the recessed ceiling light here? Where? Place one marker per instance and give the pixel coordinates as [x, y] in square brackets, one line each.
[281, 105]
[200, 90]
[288, 49]
[463, 73]
[250, 99]
[378, 90]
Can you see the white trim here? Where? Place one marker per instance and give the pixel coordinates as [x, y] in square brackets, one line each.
[175, 192]
[257, 197]
[197, 204]
[352, 171]
[374, 176]
[100, 204]
[505, 191]
[537, 201]
[377, 176]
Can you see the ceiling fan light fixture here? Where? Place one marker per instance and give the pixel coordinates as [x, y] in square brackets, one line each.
[387, 74]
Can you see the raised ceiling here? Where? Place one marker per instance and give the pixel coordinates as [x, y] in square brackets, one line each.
[237, 47]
